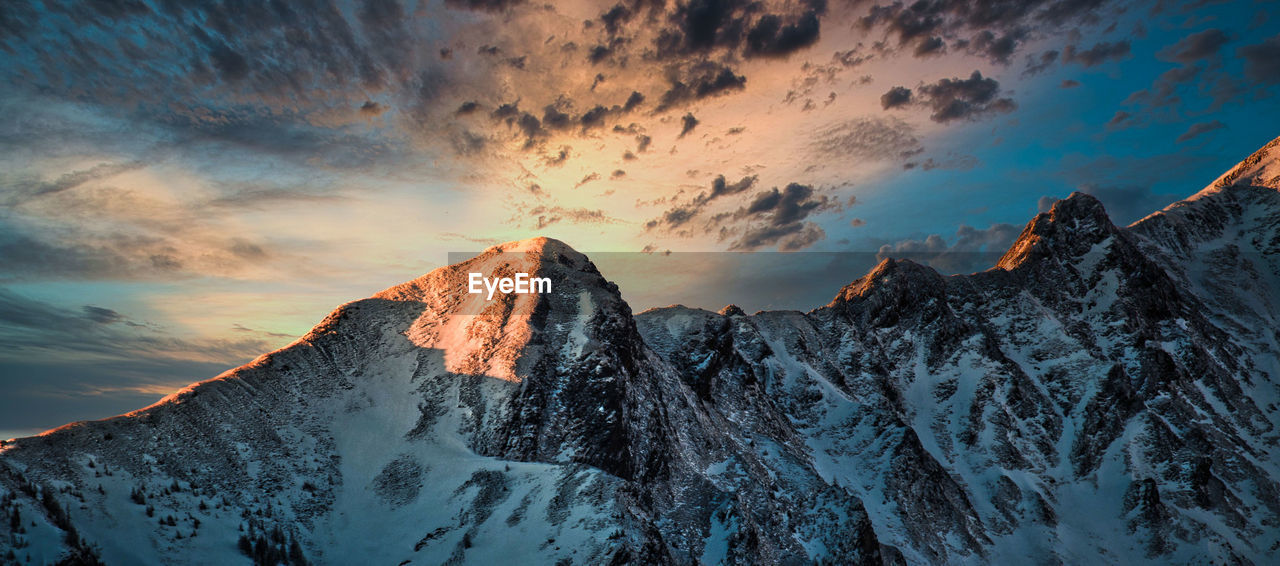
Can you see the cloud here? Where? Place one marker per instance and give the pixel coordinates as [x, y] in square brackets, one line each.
[1262, 61]
[634, 100]
[1195, 130]
[679, 214]
[895, 97]
[1163, 92]
[23, 191]
[954, 161]
[687, 123]
[737, 26]
[870, 139]
[29, 327]
[1038, 65]
[1069, 83]
[973, 250]
[101, 315]
[60, 364]
[991, 30]
[1126, 203]
[962, 99]
[483, 5]
[701, 79]
[1194, 47]
[770, 37]
[1098, 54]
[1121, 120]
[547, 215]
[778, 217]
[558, 158]
[115, 222]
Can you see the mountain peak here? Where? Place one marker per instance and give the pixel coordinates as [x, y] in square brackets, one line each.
[540, 256]
[892, 275]
[539, 244]
[1261, 169]
[1071, 226]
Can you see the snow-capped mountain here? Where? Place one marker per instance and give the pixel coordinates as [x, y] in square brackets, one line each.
[1102, 394]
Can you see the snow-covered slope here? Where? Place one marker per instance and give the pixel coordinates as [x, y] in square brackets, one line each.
[1103, 394]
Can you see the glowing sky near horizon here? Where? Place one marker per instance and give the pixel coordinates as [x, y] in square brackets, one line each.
[185, 185]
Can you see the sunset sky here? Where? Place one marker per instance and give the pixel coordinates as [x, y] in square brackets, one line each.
[186, 185]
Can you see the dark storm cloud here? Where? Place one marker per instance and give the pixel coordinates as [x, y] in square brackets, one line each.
[1096, 55]
[1195, 130]
[993, 30]
[615, 17]
[789, 237]
[593, 118]
[701, 79]
[682, 213]
[1262, 61]
[633, 101]
[895, 97]
[999, 49]
[554, 119]
[599, 53]
[770, 37]
[778, 217]
[931, 46]
[1194, 47]
[953, 99]
[230, 64]
[738, 26]
[721, 187]
[687, 123]
[509, 111]
[483, 5]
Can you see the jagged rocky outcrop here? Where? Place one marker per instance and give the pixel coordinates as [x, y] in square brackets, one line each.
[1103, 394]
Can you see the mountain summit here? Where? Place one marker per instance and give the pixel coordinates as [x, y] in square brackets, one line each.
[1103, 393]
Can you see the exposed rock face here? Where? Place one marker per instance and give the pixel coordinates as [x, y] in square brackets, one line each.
[1102, 394]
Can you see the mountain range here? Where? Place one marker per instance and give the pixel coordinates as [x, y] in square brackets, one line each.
[1102, 394]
